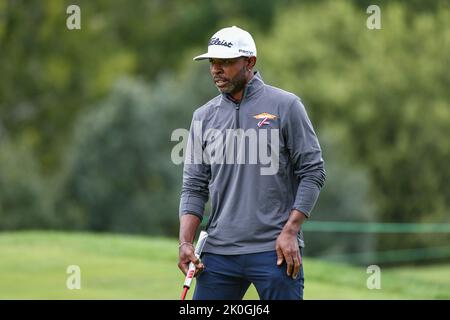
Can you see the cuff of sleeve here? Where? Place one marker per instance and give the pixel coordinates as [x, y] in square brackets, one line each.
[306, 199]
[193, 213]
[192, 205]
[302, 210]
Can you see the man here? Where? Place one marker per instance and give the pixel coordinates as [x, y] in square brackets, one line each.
[258, 207]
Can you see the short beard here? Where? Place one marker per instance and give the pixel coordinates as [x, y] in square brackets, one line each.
[236, 84]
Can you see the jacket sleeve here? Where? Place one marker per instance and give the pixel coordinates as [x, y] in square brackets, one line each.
[306, 157]
[196, 174]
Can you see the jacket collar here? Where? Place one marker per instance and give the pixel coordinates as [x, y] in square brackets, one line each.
[251, 88]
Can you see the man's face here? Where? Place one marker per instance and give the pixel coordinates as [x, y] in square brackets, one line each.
[229, 75]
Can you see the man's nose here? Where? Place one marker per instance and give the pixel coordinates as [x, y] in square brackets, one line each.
[216, 68]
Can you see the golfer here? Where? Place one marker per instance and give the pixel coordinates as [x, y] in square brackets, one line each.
[253, 151]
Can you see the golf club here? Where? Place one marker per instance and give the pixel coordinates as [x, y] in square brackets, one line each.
[190, 274]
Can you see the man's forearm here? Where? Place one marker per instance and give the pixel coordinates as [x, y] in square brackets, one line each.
[295, 221]
[188, 227]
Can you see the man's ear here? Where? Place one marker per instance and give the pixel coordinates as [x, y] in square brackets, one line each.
[251, 63]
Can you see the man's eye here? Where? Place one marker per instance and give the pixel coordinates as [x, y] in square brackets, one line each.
[222, 62]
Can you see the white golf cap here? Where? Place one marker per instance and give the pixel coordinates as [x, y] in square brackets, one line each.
[230, 43]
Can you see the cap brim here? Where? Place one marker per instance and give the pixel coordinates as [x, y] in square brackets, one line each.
[208, 55]
[202, 57]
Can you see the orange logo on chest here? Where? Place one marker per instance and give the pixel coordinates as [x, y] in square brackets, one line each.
[264, 117]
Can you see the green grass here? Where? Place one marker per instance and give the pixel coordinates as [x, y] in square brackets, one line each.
[33, 266]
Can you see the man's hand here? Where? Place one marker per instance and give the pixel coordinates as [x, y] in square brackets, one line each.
[287, 244]
[287, 249]
[186, 256]
[188, 225]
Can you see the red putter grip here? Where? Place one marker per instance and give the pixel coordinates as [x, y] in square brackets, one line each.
[190, 274]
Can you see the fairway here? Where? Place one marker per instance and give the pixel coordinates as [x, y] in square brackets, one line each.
[33, 266]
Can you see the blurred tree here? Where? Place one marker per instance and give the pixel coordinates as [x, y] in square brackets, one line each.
[345, 197]
[24, 201]
[119, 174]
[49, 74]
[388, 88]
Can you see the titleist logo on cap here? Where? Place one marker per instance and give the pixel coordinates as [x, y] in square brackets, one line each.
[218, 42]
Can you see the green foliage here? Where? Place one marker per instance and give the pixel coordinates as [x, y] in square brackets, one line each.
[387, 89]
[51, 74]
[120, 176]
[24, 203]
[344, 197]
[378, 99]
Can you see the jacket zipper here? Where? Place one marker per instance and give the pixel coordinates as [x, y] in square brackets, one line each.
[237, 107]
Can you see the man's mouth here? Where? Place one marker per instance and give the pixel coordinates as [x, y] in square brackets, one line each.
[220, 82]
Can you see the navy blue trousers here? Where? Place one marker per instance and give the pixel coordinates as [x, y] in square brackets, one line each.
[227, 277]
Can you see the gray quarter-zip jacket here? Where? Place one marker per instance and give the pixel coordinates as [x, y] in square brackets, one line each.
[251, 197]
